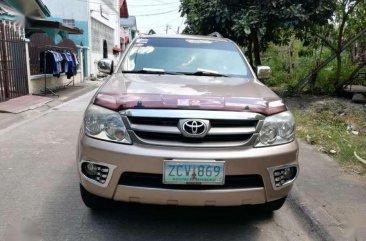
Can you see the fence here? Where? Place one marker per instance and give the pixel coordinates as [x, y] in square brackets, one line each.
[13, 66]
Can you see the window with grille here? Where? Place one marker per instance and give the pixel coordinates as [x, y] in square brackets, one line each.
[69, 22]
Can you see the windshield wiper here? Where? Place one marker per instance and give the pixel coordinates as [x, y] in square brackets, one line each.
[148, 71]
[199, 72]
[202, 72]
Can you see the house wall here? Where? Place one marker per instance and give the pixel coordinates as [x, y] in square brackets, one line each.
[79, 39]
[104, 26]
[36, 82]
[129, 26]
[98, 18]
[79, 11]
[68, 9]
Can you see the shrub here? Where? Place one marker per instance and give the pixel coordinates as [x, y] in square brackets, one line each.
[288, 71]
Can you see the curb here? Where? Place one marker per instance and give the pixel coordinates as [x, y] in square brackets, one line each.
[297, 202]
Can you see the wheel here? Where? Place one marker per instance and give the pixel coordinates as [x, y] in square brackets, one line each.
[95, 202]
[274, 205]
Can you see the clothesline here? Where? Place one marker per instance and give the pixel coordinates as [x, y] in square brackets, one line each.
[56, 47]
[55, 62]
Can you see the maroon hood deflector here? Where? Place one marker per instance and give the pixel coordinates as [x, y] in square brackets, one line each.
[128, 91]
[117, 102]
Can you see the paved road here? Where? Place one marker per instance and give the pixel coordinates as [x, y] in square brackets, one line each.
[40, 196]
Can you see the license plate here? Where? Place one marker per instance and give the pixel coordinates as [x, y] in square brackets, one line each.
[194, 172]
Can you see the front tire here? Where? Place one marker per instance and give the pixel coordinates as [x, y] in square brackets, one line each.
[273, 206]
[95, 202]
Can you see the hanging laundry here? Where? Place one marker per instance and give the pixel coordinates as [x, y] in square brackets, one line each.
[59, 60]
[71, 64]
[50, 63]
[65, 63]
[76, 59]
[76, 63]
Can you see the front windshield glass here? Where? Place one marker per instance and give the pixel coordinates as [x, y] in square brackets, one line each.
[185, 56]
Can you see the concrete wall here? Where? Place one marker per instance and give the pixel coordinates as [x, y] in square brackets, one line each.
[36, 82]
[79, 39]
[105, 12]
[68, 9]
[79, 11]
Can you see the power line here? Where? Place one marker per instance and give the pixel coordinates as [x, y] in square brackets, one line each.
[130, 5]
[105, 4]
[164, 25]
[154, 14]
[161, 1]
[149, 10]
[140, 15]
[152, 5]
[158, 28]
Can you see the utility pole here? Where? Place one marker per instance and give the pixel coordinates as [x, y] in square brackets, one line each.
[178, 30]
[167, 28]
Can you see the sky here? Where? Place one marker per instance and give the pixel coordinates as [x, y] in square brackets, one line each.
[156, 14]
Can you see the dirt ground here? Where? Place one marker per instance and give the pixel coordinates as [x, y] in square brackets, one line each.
[336, 126]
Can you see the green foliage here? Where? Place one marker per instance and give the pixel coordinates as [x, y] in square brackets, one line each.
[239, 18]
[348, 20]
[326, 77]
[253, 22]
[323, 26]
[287, 69]
[303, 60]
[325, 124]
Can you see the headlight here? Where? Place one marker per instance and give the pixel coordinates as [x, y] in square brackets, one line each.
[105, 124]
[277, 129]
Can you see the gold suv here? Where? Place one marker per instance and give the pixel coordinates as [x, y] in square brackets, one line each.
[184, 120]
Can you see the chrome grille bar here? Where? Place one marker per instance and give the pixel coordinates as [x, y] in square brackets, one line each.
[193, 114]
[161, 127]
[175, 130]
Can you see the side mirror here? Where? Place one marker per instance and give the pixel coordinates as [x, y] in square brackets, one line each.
[105, 66]
[264, 72]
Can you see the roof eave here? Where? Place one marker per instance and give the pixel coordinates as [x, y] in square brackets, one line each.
[43, 23]
[43, 8]
[124, 10]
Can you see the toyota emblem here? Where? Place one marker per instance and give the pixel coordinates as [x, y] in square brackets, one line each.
[194, 128]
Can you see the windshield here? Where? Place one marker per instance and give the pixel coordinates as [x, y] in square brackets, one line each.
[185, 56]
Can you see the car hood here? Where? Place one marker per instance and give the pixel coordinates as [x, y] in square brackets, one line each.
[126, 91]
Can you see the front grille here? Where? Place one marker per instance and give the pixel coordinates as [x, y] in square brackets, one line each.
[146, 180]
[154, 121]
[174, 122]
[223, 132]
[153, 136]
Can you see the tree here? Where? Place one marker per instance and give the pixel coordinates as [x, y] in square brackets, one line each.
[346, 26]
[253, 23]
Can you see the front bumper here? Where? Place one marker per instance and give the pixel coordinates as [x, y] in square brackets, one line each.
[149, 159]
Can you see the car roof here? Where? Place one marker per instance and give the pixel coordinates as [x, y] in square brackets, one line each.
[185, 36]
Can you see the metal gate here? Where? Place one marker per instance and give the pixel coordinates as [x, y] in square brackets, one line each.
[13, 65]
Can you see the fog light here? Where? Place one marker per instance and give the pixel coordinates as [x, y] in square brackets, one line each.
[91, 169]
[283, 176]
[94, 171]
